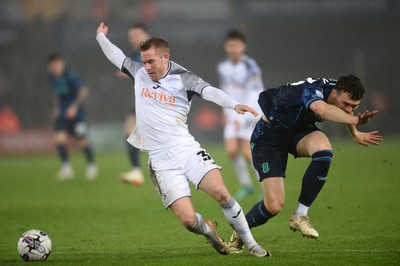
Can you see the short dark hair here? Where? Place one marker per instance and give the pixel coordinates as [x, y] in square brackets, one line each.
[154, 42]
[351, 85]
[139, 25]
[235, 35]
[54, 57]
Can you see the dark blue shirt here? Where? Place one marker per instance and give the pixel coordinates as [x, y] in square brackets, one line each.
[66, 87]
[288, 105]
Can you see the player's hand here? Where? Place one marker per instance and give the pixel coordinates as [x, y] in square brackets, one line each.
[102, 28]
[241, 109]
[366, 117]
[365, 138]
[71, 112]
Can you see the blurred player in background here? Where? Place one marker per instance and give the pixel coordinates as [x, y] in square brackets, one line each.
[288, 126]
[163, 93]
[69, 97]
[240, 78]
[137, 33]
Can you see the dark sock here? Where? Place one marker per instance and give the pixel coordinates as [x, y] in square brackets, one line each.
[133, 155]
[62, 152]
[258, 215]
[89, 154]
[315, 176]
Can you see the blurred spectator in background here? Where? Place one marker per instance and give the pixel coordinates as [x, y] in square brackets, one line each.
[68, 113]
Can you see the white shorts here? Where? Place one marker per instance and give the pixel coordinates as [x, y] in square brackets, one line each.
[171, 170]
[239, 127]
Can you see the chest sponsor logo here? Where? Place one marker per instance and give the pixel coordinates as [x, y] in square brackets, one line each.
[159, 96]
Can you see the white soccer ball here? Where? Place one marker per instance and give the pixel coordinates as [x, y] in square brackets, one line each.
[34, 245]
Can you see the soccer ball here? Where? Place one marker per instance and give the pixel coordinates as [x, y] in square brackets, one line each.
[34, 245]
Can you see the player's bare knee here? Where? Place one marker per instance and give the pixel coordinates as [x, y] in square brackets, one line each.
[222, 195]
[232, 154]
[274, 206]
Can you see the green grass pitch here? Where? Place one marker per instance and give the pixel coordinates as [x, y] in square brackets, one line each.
[109, 223]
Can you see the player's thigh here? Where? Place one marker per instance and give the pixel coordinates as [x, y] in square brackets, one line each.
[274, 193]
[311, 143]
[60, 136]
[171, 184]
[232, 146]
[213, 184]
[184, 210]
[130, 123]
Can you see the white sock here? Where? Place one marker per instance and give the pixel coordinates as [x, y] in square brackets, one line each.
[301, 210]
[66, 165]
[240, 166]
[200, 227]
[235, 216]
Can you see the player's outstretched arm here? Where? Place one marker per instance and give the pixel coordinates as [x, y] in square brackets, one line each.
[219, 97]
[334, 114]
[113, 53]
[364, 138]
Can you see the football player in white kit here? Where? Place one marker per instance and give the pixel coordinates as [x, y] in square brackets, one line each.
[240, 77]
[163, 92]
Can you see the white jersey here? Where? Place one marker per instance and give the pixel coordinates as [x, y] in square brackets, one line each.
[162, 106]
[241, 80]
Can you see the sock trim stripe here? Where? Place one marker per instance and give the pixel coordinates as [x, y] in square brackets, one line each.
[260, 210]
[325, 158]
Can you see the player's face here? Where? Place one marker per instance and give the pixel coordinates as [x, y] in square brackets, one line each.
[235, 49]
[136, 36]
[56, 67]
[343, 101]
[155, 62]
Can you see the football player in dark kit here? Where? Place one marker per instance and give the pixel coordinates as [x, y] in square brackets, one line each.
[69, 115]
[288, 126]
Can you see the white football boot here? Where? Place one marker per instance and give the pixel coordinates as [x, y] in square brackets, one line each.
[133, 177]
[303, 224]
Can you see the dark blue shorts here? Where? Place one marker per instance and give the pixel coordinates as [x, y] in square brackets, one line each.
[76, 127]
[270, 147]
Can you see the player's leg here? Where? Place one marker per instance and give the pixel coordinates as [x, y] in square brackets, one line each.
[269, 155]
[232, 148]
[317, 146]
[60, 139]
[66, 171]
[80, 130]
[91, 168]
[173, 187]
[212, 183]
[262, 211]
[194, 222]
[135, 175]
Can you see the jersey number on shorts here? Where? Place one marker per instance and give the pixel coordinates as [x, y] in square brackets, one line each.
[205, 156]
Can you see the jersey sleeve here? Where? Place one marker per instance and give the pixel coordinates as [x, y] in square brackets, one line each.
[193, 83]
[131, 67]
[311, 94]
[255, 82]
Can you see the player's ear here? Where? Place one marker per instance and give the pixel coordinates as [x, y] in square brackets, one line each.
[334, 92]
[166, 56]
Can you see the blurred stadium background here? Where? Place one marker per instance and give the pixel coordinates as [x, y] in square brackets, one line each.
[290, 40]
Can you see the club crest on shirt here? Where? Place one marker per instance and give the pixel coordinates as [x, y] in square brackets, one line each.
[159, 96]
